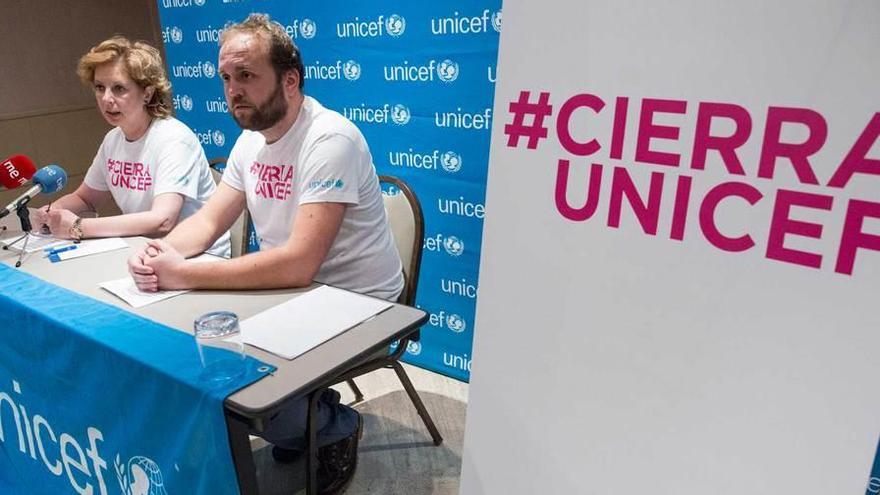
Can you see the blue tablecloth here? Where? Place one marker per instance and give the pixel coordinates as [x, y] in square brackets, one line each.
[94, 399]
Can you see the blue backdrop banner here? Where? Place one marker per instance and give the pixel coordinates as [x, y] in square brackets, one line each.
[418, 79]
[96, 400]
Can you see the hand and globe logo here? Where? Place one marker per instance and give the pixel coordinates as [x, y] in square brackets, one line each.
[447, 71]
[395, 25]
[451, 161]
[308, 28]
[351, 70]
[400, 114]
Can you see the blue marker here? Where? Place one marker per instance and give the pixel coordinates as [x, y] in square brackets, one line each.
[53, 254]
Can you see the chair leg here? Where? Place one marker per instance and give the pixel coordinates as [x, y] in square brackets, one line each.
[417, 401]
[358, 396]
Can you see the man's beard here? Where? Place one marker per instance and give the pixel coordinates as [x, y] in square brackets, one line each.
[265, 115]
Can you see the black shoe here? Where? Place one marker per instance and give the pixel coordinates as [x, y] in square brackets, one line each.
[283, 455]
[337, 462]
[286, 456]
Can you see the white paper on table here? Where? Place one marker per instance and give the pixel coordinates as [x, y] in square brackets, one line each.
[35, 242]
[125, 289]
[301, 324]
[93, 246]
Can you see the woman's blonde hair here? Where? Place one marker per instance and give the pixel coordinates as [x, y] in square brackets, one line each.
[142, 63]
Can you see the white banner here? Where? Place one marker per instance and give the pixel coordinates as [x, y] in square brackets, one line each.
[679, 282]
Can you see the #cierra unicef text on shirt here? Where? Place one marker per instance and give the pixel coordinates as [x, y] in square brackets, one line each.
[128, 175]
[273, 181]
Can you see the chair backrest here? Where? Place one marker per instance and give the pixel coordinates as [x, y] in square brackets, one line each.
[408, 227]
[238, 232]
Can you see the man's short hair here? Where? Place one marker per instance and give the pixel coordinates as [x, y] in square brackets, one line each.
[142, 63]
[283, 53]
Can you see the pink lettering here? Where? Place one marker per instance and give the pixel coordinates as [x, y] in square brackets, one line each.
[726, 146]
[563, 122]
[853, 237]
[592, 200]
[649, 130]
[798, 154]
[647, 212]
[857, 160]
[782, 224]
[680, 210]
[619, 132]
[707, 215]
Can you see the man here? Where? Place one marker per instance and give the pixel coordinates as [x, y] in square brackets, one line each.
[306, 176]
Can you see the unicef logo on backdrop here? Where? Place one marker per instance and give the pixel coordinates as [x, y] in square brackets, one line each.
[413, 348]
[140, 476]
[176, 35]
[182, 102]
[352, 70]
[199, 3]
[447, 71]
[209, 69]
[395, 25]
[456, 323]
[453, 245]
[496, 21]
[218, 138]
[451, 161]
[308, 28]
[400, 114]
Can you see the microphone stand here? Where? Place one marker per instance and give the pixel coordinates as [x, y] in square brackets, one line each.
[24, 217]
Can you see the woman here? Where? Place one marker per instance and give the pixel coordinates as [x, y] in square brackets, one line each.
[150, 163]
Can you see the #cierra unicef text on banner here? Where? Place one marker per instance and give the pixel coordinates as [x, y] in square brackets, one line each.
[774, 153]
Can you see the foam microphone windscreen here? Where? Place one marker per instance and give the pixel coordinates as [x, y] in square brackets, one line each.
[16, 171]
[51, 179]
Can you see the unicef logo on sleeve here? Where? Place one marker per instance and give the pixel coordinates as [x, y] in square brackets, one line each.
[219, 138]
[308, 28]
[447, 71]
[352, 70]
[496, 21]
[140, 476]
[456, 323]
[400, 114]
[186, 103]
[176, 35]
[209, 69]
[453, 245]
[451, 161]
[413, 348]
[395, 25]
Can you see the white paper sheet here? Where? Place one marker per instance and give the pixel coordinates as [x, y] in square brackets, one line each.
[298, 325]
[125, 289]
[89, 247]
[36, 242]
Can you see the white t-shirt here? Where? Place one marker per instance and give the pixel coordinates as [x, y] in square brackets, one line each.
[322, 158]
[168, 158]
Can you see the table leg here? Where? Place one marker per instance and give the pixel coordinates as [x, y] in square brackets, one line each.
[242, 457]
[311, 439]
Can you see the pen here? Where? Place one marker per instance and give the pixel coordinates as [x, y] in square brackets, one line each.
[50, 252]
[45, 228]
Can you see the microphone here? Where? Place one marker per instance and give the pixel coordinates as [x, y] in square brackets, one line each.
[47, 180]
[15, 171]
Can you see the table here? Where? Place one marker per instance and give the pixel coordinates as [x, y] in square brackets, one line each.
[251, 407]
